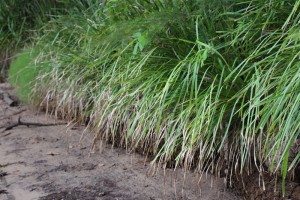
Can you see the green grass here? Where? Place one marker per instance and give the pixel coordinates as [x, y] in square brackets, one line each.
[203, 83]
[21, 19]
[23, 72]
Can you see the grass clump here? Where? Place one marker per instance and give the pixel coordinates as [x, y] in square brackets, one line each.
[204, 84]
[23, 72]
[20, 19]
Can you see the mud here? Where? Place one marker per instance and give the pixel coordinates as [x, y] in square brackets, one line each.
[265, 186]
[51, 162]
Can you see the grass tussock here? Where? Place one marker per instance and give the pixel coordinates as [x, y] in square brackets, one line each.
[205, 84]
[23, 72]
[20, 20]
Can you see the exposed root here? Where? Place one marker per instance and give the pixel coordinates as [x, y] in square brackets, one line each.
[21, 123]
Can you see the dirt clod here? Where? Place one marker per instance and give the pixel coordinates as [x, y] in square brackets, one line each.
[2, 174]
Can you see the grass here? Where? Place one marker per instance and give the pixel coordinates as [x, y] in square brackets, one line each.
[20, 20]
[200, 83]
[23, 73]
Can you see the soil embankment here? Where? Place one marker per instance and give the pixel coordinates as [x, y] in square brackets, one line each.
[51, 162]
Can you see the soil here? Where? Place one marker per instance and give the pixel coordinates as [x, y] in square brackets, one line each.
[251, 187]
[56, 162]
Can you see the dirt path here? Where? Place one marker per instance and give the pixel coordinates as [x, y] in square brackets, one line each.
[49, 162]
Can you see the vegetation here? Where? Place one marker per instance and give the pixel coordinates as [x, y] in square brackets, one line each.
[23, 72]
[203, 83]
[20, 19]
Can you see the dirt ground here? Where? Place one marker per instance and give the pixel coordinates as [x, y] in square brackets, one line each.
[51, 162]
[249, 188]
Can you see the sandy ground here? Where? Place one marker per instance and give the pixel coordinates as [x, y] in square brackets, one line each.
[51, 162]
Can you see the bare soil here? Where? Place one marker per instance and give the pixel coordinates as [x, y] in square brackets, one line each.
[253, 187]
[56, 162]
